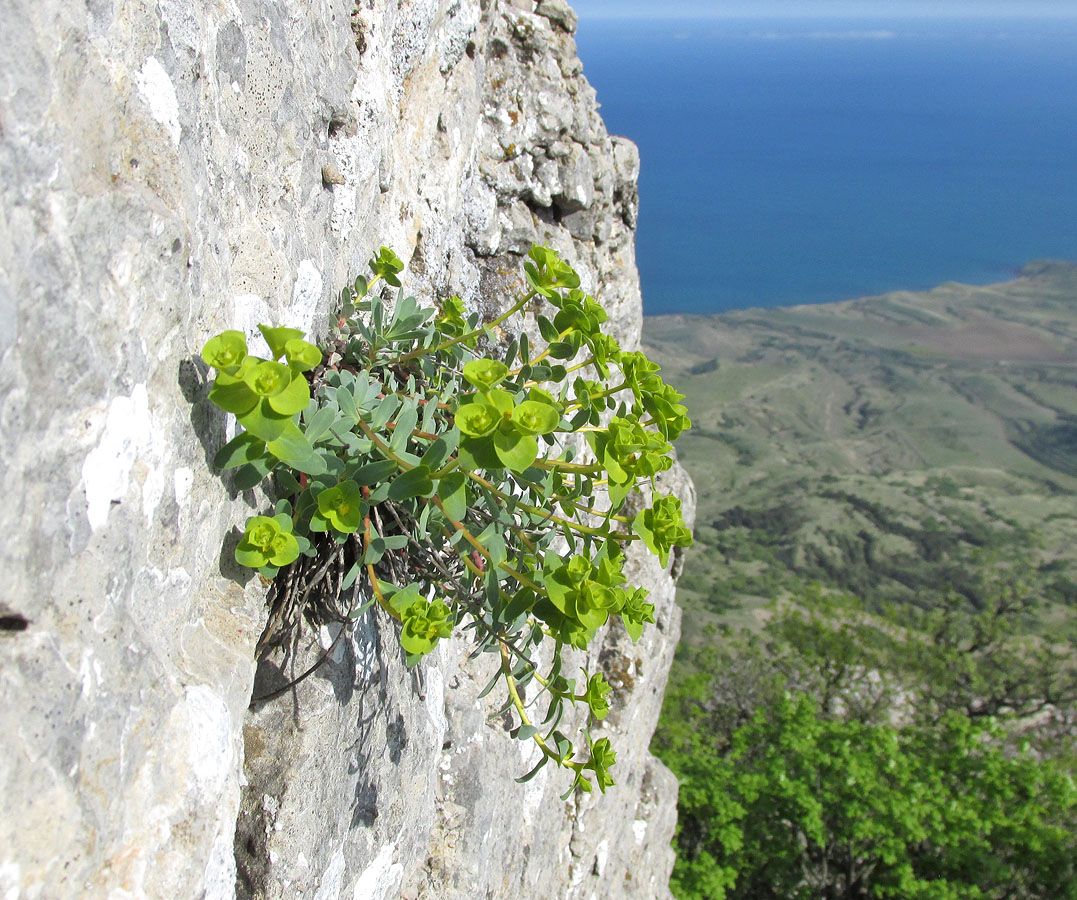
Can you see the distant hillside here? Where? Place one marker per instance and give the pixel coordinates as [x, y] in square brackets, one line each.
[893, 447]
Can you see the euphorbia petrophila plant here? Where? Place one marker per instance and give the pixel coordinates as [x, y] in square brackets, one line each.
[440, 477]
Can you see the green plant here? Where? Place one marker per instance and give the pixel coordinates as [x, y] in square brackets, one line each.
[833, 753]
[801, 806]
[470, 489]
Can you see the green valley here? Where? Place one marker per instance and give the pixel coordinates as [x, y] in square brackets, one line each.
[890, 447]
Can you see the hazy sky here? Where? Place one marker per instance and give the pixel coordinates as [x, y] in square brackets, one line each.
[592, 9]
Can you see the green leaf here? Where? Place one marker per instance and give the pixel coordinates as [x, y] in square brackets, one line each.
[320, 423]
[547, 330]
[523, 779]
[380, 494]
[441, 449]
[349, 578]
[404, 426]
[490, 685]
[564, 349]
[264, 422]
[478, 453]
[277, 338]
[521, 603]
[384, 411]
[375, 472]
[374, 552]
[293, 449]
[452, 492]
[346, 402]
[252, 473]
[494, 544]
[412, 483]
[288, 482]
[515, 450]
[243, 448]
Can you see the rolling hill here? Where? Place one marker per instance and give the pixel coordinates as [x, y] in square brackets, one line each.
[897, 447]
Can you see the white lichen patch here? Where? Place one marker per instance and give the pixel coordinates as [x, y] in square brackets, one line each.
[159, 94]
[305, 296]
[327, 637]
[9, 881]
[435, 699]
[209, 748]
[380, 878]
[153, 489]
[184, 479]
[534, 790]
[329, 889]
[639, 830]
[107, 468]
[602, 855]
[220, 873]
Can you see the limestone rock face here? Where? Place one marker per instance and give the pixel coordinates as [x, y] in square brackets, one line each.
[172, 169]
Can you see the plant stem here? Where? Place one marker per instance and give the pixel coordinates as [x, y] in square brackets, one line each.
[554, 465]
[582, 365]
[385, 449]
[574, 406]
[471, 539]
[549, 516]
[445, 345]
[379, 596]
[521, 711]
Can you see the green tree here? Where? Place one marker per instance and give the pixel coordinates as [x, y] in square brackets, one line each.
[799, 805]
[837, 754]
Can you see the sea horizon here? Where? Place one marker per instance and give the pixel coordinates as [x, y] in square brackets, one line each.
[790, 161]
[1016, 275]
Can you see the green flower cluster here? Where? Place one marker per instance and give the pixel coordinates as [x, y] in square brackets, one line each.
[581, 596]
[595, 695]
[601, 761]
[423, 625]
[662, 527]
[267, 542]
[506, 423]
[629, 452]
[265, 394]
[453, 323]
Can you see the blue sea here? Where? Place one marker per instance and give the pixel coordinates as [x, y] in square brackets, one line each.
[790, 162]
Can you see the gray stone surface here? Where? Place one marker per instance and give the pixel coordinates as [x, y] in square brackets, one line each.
[171, 169]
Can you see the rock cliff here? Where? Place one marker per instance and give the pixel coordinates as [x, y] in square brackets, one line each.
[172, 169]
